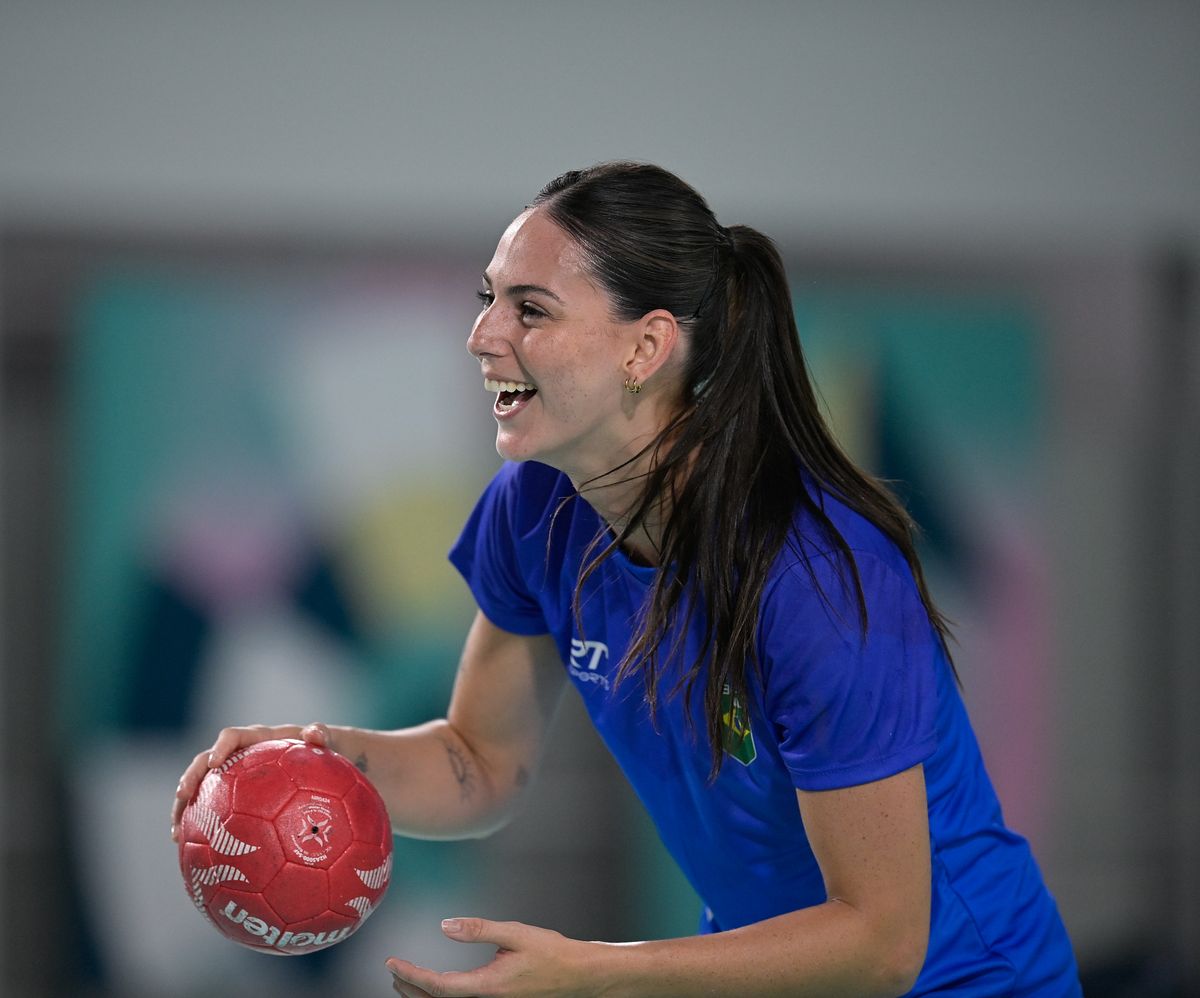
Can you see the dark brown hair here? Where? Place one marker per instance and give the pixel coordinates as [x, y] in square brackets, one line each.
[729, 469]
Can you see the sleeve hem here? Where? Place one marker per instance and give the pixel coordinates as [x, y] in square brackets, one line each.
[526, 626]
[864, 772]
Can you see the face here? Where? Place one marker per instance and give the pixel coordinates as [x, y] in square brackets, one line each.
[551, 351]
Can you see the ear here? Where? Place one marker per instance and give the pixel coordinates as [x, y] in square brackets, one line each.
[655, 340]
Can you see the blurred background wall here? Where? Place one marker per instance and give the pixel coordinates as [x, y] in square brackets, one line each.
[238, 246]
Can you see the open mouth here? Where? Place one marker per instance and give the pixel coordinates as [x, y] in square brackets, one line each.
[510, 395]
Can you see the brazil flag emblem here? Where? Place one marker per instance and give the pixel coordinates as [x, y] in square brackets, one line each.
[737, 738]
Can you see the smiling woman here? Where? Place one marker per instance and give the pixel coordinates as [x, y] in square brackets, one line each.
[676, 534]
[548, 342]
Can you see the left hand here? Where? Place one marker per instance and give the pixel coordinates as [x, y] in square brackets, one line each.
[529, 962]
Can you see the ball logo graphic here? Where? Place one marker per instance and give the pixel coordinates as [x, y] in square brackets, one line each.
[314, 827]
[286, 848]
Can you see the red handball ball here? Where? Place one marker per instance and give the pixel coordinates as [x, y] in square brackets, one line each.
[286, 848]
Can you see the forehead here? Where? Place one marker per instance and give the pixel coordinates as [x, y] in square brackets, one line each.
[534, 250]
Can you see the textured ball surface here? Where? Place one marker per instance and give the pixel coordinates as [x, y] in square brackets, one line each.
[286, 848]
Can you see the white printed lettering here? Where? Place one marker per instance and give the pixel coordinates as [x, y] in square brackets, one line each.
[586, 659]
[274, 937]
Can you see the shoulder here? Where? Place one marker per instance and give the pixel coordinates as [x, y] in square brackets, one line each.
[810, 556]
[815, 596]
[853, 699]
[528, 477]
[528, 495]
[502, 550]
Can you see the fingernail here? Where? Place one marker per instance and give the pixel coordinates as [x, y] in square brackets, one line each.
[211, 757]
[451, 924]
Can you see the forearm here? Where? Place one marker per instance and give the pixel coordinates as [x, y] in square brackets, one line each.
[435, 784]
[830, 949]
[462, 777]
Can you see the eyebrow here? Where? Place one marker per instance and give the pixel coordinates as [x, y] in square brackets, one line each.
[525, 289]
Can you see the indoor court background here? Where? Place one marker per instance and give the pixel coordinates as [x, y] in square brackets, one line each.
[239, 245]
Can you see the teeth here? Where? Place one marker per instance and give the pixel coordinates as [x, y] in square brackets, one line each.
[505, 386]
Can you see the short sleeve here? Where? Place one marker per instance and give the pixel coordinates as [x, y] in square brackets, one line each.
[486, 554]
[847, 709]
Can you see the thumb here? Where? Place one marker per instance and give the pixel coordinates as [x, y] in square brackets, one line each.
[506, 935]
[315, 734]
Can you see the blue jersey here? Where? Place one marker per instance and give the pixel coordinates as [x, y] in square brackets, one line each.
[827, 708]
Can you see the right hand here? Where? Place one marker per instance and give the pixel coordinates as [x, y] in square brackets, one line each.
[230, 740]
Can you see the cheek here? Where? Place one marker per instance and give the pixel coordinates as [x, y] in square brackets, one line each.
[581, 383]
[585, 394]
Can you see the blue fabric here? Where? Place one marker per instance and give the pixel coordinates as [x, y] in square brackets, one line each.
[831, 709]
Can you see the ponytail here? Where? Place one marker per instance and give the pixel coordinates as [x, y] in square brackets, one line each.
[730, 469]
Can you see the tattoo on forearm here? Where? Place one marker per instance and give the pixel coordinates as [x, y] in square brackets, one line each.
[462, 769]
[361, 762]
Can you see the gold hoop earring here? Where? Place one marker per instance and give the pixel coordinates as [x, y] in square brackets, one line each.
[632, 386]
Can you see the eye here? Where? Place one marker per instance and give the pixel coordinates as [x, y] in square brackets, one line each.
[530, 311]
[485, 297]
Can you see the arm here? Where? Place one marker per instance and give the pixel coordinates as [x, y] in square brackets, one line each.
[457, 777]
[464, 775]
[867, 938]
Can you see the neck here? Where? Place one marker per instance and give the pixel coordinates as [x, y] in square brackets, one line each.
[613, 490]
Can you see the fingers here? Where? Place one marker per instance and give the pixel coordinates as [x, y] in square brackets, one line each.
[188, 783]
[406, 989]
[229, 741]
[232, 739]
[506, 935]
[316, 734]
[418, 982]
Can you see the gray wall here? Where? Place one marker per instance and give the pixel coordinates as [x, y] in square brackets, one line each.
[978, 121]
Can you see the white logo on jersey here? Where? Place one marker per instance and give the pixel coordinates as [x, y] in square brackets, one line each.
[586, 657]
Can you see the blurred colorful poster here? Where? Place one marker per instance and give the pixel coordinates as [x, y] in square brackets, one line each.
[266, 475]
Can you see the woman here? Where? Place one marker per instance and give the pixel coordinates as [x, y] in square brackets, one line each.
[743, 613]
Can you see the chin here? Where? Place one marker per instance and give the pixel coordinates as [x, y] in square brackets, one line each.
[519, 450]
[514, 450]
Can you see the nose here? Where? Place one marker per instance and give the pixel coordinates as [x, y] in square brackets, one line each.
[483, 340]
